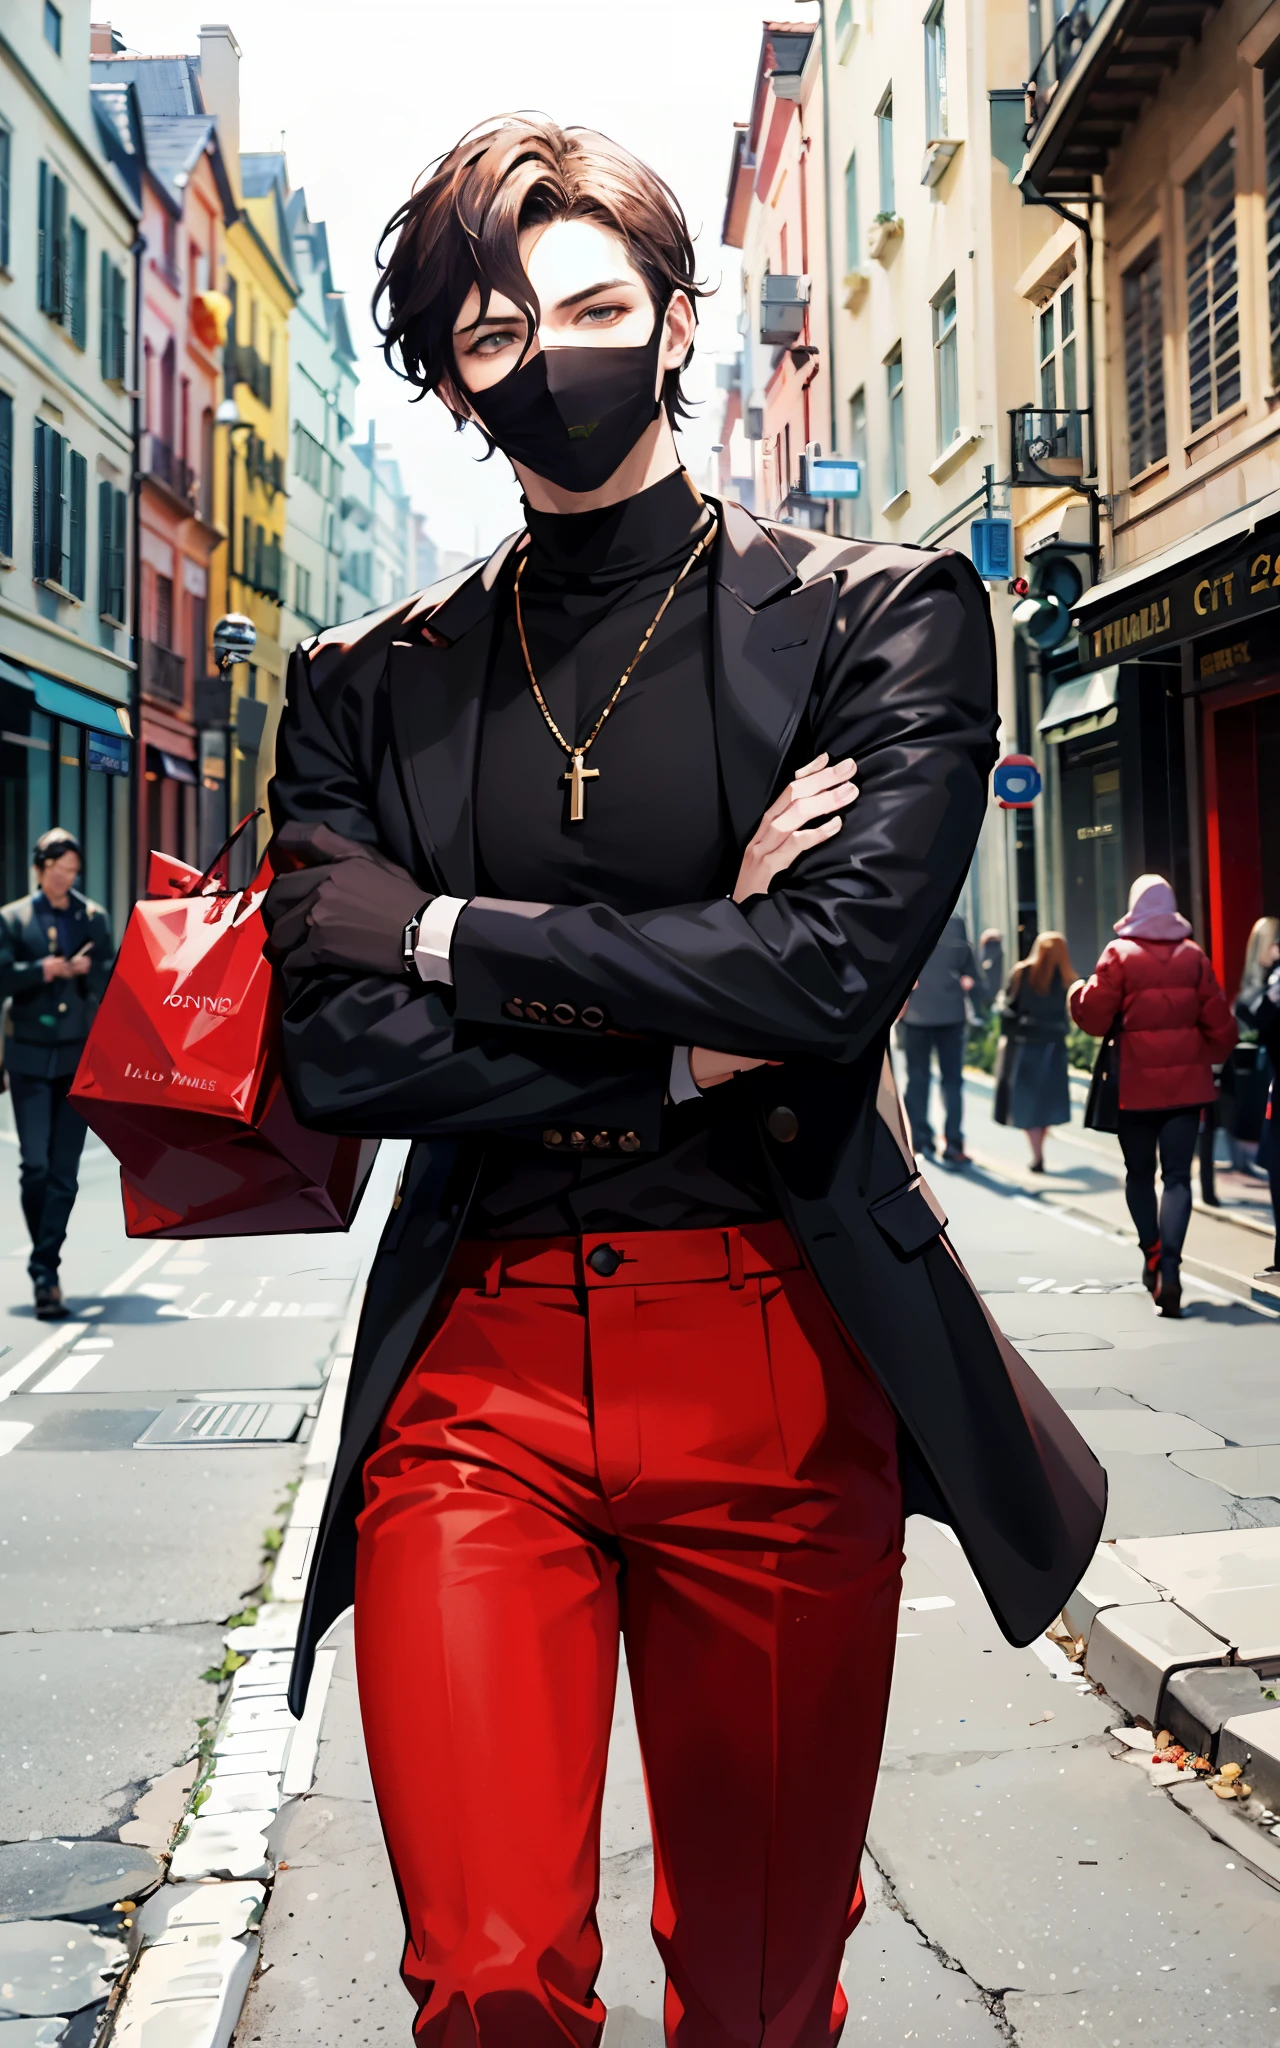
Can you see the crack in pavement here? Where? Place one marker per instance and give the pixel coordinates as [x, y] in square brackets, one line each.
[992, 1998]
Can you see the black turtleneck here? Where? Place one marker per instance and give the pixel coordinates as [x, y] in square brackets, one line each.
[656, 829]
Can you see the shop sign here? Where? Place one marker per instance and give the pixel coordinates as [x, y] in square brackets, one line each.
[1184, 606]
[1244, 654]
[108, 752]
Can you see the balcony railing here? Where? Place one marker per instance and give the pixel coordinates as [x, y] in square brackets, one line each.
[246, 366]
[166, 467]
[1050, 447]
[163, 673]
[1058, 57]
[784, 303]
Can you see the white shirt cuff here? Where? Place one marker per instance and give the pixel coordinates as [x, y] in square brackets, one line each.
[435, 937]
[682, 1087]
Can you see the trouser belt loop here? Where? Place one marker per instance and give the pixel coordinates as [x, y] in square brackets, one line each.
[733, 1240]
[493, 1275]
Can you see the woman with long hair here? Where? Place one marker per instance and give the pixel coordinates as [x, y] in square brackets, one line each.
[1175, 1027]
[1258, 1009]
[1033, 1091]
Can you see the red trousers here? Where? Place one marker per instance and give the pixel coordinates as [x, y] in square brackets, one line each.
[686, 1448]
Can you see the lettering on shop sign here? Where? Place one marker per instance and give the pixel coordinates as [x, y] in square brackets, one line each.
[220, 1005]
[1146, 623]
[1095, 831]
[1224, 660]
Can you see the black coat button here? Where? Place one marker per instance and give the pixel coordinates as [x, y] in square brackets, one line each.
[592, 1017]
[515, 1008]
[605, 1259]
[564, 1013]
[782, 1124]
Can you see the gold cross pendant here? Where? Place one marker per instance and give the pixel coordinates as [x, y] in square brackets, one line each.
[576, 776]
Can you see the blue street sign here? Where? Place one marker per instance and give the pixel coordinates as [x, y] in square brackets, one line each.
[1017, 782]
[991, 547]
[834, 476]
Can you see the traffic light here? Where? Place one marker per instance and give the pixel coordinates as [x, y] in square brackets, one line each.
[1057, 576]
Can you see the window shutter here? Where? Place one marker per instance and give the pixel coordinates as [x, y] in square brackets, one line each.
[79, 284]
[78, 525]
[120, 513]
[6, 474]
[6, 145]
[104, 313]
[58, 277]
[104, 546]
[44, 242]
[37, 498]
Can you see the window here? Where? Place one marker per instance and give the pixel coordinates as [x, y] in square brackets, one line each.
[852, 248]
[163, 589]
[113, 288]
[78, 285]
[1213, 312]
[303, 593]
[198, 620]
[308, 457]
[6, 163]
[896, 479]
[53, 27]
[112, 514]
[48, 505]
[51, 245]
[79, 513]
[884, 136]
[1056, 351]
[1144, 360]
[935, 71]
[946, 367]
[1271, 135]
[6, 474]
[856, 512]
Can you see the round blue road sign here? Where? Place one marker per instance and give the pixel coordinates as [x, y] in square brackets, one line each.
[1017, 782]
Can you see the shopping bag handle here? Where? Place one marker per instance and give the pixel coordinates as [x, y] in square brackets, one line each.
[201, 887]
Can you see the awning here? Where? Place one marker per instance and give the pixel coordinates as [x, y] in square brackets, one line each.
[1085, 704]
[65, 700]
[1226, 571]
[161, 762]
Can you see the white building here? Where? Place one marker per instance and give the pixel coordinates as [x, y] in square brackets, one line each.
[70, 203]
[378, 535]
[322, 387]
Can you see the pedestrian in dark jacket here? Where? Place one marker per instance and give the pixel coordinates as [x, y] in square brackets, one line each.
[1175, 1025]
[55, 956]
[1258, 1009]
[935, 1023]
[1033, 1091]
[990, 969]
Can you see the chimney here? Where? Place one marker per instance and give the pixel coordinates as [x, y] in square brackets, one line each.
[102, 42]
[220, 90]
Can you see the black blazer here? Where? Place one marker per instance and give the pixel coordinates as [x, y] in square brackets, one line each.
[49, 1021]
[562, 1018]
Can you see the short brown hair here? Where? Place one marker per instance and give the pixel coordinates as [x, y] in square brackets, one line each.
[461, 226]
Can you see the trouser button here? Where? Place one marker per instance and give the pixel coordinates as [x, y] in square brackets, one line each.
[605, 1260]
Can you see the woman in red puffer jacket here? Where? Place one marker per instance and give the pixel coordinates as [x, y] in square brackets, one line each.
[1174, 1026]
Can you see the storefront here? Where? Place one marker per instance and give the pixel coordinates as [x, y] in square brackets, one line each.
[64, 760]
[1193, 636]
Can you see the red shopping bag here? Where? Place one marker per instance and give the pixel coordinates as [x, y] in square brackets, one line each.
[180, 1076]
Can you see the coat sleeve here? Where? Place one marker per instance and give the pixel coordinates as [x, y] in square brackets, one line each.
[1096, 1003]
[821, 964]
[18, 977]
[1217, 1025]
[371, 1057]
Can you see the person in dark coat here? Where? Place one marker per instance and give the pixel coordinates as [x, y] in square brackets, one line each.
[1258, 1009]
[1033, 1090]
[934, 1026]
[990, 969]
[665, 1332]
[55, 958]
[1175, 1026]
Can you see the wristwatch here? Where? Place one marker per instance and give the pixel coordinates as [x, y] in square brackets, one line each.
[408, 944]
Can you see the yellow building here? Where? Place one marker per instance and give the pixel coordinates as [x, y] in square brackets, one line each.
[251, 440]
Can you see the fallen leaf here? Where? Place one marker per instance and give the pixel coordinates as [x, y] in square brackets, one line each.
[1046, 1716]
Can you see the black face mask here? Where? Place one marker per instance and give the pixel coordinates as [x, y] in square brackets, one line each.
[572, 415]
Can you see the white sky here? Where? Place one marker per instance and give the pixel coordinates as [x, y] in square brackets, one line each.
[368, 92]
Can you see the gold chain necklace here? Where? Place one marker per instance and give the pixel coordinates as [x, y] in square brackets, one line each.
[576, 775]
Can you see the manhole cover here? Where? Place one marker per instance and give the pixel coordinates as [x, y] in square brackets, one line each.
[1065, 1340]
[55, 1879]
[198, 1425]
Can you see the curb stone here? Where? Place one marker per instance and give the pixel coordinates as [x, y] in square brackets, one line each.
[197, 1940]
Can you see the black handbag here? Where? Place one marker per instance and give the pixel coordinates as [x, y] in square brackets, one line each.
[1102, 1110]
[1006, 1054]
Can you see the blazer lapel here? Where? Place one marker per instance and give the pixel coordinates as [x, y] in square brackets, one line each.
[768, 632]
[435, 677]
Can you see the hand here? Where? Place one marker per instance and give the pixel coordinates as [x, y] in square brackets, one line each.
[54, 967]
[344, 905]
[966, 982]
[709, 1069]
[784, 832]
